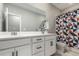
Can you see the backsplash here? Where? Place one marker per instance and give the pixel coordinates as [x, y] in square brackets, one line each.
[67, 28]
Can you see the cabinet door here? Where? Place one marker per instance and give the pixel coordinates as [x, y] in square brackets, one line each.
[23, 51]
[8, 52]
[49, 47]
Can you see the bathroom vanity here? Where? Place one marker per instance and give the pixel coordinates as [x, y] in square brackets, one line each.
[15, 19]
[28, 45]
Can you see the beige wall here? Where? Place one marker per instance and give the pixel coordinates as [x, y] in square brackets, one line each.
[71, 8]
[51, 13]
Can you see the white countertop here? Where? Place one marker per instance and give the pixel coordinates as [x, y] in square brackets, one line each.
[24, 34]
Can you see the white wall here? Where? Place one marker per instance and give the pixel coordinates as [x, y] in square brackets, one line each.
[1, 7]
[51, 13]
[71, 8]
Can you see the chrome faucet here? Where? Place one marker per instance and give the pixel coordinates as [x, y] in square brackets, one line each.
[13, 33]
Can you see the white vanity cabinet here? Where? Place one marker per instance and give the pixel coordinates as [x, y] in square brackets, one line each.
[15, 47]
[50, 45]
[28, 46]
[7, 52]
[19, 51]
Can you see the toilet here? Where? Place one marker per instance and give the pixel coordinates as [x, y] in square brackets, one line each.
[60, 48]
[63, 50]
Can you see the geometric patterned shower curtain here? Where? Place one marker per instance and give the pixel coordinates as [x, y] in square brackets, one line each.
[67, 28]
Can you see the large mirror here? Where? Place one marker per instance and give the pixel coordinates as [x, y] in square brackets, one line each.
[22, 19]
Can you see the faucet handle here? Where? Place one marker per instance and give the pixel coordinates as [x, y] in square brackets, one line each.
[13, 33]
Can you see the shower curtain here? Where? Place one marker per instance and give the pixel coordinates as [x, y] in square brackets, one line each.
[67, 28]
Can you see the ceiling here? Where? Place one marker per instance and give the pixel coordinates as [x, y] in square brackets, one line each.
[62, 6]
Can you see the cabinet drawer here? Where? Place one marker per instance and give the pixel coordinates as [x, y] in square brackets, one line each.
[39, 54]
[38, 47]
[37, 39]
[13, 43]
[49, 52]
[50, 38]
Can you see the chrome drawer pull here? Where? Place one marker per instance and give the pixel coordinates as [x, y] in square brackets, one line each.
[51, 43]
[16, 53]
[39, 39]
[12, 53]
[39, 47]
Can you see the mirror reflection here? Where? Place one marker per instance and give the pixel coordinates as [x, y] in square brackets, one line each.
[16, 18]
